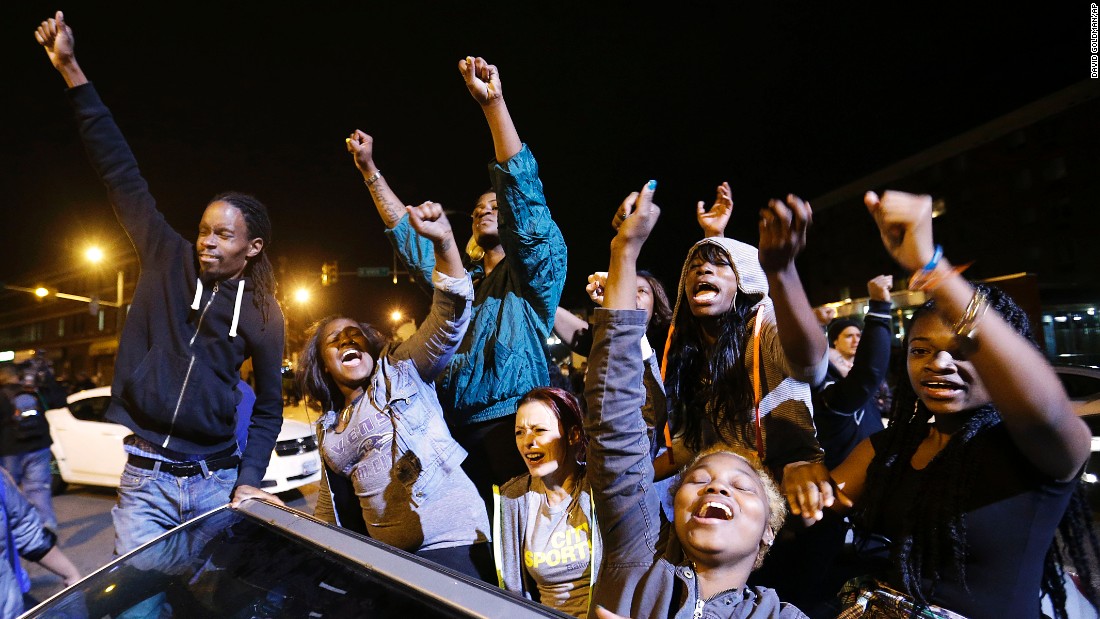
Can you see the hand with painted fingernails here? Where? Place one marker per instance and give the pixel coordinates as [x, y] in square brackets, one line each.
[639, 216]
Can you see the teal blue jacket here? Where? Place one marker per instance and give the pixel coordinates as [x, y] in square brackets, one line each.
[503, 355]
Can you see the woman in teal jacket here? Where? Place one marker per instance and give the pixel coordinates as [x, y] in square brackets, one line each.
[518, 272]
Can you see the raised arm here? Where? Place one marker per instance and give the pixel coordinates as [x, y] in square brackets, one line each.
[783, 229]
[56, 37]
[872, 360]
[533, 245]
[109, 153]
[619, 468]
[390, 207]
[572, 330]
[713, 221]
[1022, 385]
[483, 82]
[435, 342]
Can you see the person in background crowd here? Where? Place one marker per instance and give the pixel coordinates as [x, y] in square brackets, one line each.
[845, 408]
[22, 534]
[651, 298]
[984, 449]
[25, 442]
[519, 267]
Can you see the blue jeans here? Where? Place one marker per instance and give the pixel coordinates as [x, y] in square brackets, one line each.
[151, 503]
[31, 472]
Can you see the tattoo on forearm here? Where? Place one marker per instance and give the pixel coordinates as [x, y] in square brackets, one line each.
[445, 246]
[381, 199]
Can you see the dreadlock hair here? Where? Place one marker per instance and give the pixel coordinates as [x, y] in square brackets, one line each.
[259, 268]
[569, 411]
[933, 542]
[313, 379]
[662, 310]
[710, 386]
[776, 502]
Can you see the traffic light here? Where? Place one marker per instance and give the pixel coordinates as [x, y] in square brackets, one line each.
[330, 273]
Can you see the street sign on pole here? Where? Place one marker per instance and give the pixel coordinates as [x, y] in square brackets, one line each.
[373, 271]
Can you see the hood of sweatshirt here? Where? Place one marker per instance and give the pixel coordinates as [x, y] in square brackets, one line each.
[746, 265]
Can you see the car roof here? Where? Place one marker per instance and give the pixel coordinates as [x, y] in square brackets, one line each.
[276, 553]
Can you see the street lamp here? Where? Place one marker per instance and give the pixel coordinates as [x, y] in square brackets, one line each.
[301, 295]
[396, 315]
[95, 255]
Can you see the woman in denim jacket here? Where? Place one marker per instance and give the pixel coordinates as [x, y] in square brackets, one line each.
[392, 470]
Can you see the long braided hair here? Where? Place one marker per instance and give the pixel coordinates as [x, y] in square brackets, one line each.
[933, 542]
[259, 267]
[710, 385]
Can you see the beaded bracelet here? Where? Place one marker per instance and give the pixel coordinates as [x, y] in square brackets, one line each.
[373, 178]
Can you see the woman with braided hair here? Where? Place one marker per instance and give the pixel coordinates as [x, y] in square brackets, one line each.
[978, 470]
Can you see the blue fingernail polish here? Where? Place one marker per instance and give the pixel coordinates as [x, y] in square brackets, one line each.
[652, 185]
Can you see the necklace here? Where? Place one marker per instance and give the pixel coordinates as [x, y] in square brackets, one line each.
[344, 417]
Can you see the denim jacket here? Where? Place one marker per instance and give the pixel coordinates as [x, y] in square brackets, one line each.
[638, 578]
[503, 355]
[402, 385]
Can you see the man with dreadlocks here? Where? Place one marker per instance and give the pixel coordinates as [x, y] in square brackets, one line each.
[978, 470]
[199, 311]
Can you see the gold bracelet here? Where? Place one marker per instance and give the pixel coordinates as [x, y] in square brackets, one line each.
[967, 326]
[373, 178]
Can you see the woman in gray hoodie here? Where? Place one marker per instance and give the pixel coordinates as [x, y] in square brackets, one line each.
[726, 510]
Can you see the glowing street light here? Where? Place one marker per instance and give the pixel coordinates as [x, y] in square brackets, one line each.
[396, 315]
[94, 254]
[301, 295]
[41, 292]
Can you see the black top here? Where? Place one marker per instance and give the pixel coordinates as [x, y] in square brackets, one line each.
[1012, 512]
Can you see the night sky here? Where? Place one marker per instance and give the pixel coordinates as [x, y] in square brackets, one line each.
[793, 97]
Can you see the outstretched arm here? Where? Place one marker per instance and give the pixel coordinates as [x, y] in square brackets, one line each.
[1023, 386]
[571, 329]
[783, 229]
[109, 153]
[483, 82]
[57, 38]
[434, 343]
[390, 207]
[847, 395]
[58, 563]
[619, 469]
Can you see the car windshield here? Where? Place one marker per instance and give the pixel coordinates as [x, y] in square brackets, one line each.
[233, 564]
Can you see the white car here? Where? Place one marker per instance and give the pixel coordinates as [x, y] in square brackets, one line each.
[88, 449]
